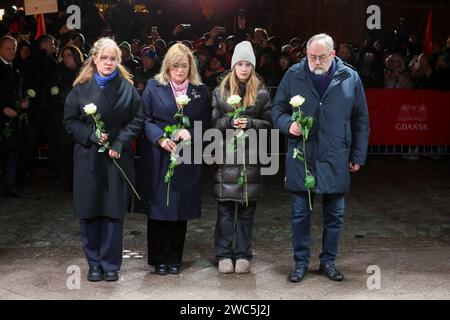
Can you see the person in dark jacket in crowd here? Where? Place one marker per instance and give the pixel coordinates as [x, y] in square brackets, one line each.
[10, 106]
[38, 75]
[169, 206]
[128, 60]
[243, 81]
[101, 194]
[150, 67]
[337, 145]
[60, 145]
[440, 78]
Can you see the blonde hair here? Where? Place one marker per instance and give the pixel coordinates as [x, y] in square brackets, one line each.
[175, 53]
[252, 87]
[89, 67]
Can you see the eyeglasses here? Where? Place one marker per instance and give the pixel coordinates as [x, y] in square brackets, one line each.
[104, 59]
[177, 66]
[322, 58]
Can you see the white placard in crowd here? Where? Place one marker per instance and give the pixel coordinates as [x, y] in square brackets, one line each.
[40, 6]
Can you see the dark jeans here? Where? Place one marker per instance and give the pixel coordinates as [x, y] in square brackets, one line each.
[9, 169]
[165, 242]
[333, 223]
[102, 241]
[228, 227]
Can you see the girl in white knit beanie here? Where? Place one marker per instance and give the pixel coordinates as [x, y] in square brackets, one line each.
[232, 195]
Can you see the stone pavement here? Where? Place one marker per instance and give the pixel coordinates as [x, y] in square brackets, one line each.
[397, 218]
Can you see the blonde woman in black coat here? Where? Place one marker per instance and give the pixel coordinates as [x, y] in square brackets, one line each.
[101, 195]
[232, 196]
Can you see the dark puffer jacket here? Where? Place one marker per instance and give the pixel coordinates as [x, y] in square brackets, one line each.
[226, 186]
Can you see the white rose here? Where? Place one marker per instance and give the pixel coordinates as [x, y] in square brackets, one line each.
[54, 91]
[234, 100]
[90, 108]
[297, 101]
[31, 93]
[182, 100]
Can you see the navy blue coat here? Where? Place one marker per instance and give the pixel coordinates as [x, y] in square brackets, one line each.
[340, 131]
[99, 188]
[185, 188]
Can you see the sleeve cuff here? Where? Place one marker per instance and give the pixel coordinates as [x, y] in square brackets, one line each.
[117, 146]
[93, 138]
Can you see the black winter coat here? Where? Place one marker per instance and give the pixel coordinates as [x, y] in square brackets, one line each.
[99, 188]
[226, 186]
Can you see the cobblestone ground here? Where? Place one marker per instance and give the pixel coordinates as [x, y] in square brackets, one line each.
[397, 218]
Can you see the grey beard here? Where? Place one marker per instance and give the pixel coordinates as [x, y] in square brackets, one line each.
[319, 72]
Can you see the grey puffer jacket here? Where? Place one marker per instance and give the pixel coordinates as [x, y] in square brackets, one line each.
[226, 186]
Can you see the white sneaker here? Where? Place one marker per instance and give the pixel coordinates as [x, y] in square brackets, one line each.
[242, 266]
[226, 266]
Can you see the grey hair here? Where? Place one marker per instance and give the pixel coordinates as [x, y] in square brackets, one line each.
[7, 38]
[321, 37]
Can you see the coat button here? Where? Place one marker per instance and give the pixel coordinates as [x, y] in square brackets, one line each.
[320, 103]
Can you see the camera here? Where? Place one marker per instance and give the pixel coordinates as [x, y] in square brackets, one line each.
[185, 26]
[154, 29]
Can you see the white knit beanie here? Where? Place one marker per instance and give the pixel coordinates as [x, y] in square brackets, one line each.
[243, 52]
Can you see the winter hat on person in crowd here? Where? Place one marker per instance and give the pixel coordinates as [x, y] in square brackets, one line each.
[125, 45]
[148, 52]
[243, 52]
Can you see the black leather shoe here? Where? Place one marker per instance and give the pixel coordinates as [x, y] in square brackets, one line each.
[173, 269]
[161, 269]
[111, 276]
[300, 271]
[330, 271]
[95, 274]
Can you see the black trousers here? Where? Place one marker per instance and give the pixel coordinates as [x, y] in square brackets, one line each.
[102, 242]
[234, 222]
[165, 242]
[9, 169]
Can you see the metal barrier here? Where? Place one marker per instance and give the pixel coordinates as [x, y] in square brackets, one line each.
[413, 150]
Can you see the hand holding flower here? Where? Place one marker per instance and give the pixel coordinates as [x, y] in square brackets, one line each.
[168, 145]
[9, 112]
[103, 139]
[25, 104]
[102, 136]
[240, 123]
[295, 129]
[114, 154]
[183, 134]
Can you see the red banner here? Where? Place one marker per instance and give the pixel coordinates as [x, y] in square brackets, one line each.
[409, 117]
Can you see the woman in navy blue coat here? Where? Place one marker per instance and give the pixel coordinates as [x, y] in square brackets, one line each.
[100, 194]
[167, 221]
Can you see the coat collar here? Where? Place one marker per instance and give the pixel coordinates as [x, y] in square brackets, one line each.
[110, 93]
[340, 75]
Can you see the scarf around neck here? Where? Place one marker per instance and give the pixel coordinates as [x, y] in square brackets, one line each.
[102, 81]
[179, 90]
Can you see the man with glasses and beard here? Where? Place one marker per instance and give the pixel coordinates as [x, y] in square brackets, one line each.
[337, 145]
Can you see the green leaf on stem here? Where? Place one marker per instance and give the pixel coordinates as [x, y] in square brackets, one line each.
[310, 182]
[305, 132]
[308, 122]
[298, 155]
[186, 122]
